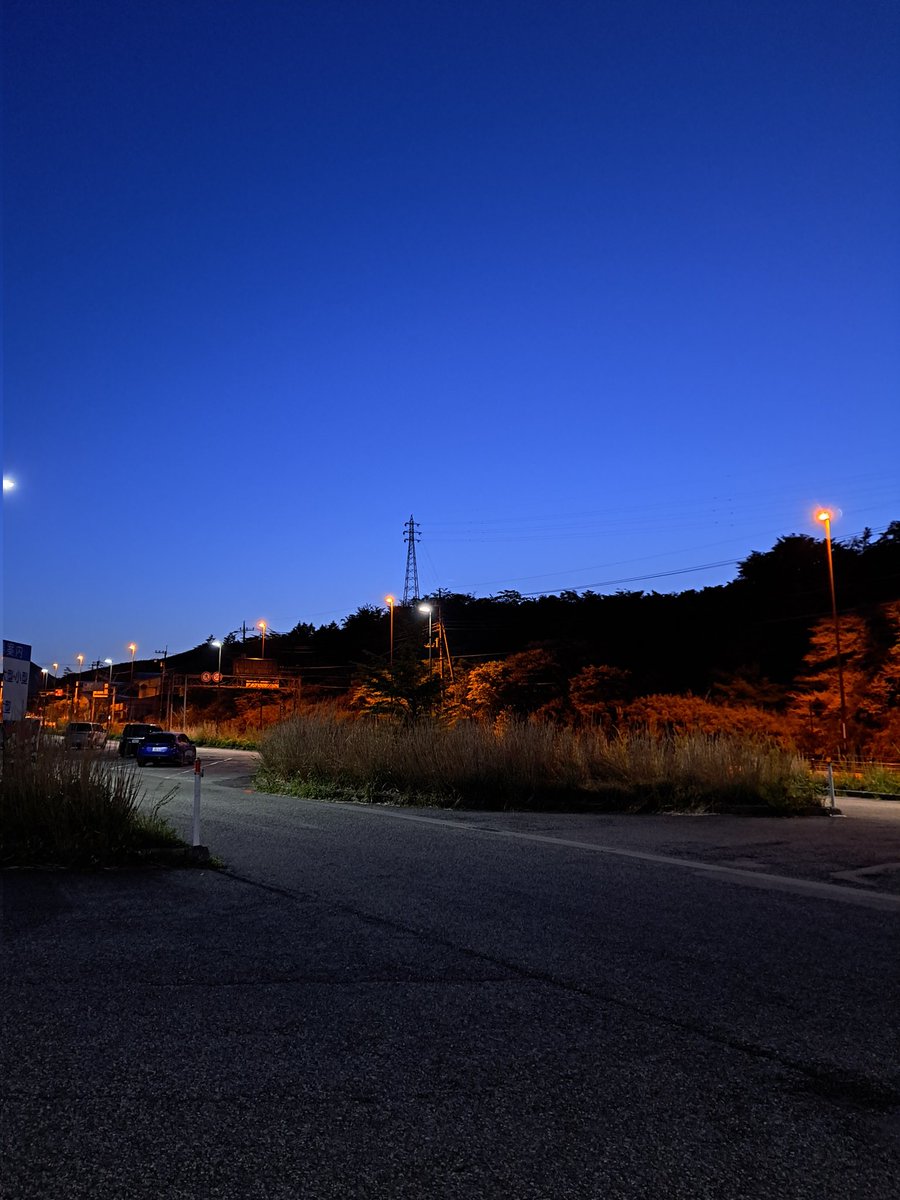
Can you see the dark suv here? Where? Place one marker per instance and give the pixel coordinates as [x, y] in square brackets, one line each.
[132, 736]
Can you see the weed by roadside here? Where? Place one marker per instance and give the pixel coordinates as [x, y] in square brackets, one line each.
[525, 765]
[67, 808]
[206, 735]
[883, 778]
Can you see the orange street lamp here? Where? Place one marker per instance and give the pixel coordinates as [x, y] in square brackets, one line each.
[132, 646]
[263, 626]
[390, 602]
[79, 658]
[825, 515]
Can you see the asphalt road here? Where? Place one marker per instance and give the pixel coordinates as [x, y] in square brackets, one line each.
[394, 1003]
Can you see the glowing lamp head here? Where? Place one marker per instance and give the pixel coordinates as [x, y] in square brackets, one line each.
[823, 515]
[215, 645]
[132, 647]
[109, 661]
[390, 601]
[424, 608]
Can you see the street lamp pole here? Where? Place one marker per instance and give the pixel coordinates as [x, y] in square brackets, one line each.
[132, 646]
[426, 608]
[824, 515]
[390, 602]
[218, 645]
[79, 658]
[262, 625]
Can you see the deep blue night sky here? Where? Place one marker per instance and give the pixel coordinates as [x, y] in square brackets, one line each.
[597, 291]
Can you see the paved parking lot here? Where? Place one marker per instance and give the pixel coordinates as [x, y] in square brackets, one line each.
[386, 1003]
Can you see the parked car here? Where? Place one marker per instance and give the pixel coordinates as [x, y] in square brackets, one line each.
[166, 747]
[133, 735]
[84, 734]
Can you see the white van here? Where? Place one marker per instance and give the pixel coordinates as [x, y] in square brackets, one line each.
[84, 733]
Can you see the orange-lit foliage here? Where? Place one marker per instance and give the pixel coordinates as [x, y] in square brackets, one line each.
[598, 695]
[870, 656]
[692, 714]
[526, 684]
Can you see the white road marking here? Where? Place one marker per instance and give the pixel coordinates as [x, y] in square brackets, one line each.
[884, 901]
[861, 874]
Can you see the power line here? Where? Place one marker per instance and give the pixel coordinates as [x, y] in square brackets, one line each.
[583, 587]
[580, 587]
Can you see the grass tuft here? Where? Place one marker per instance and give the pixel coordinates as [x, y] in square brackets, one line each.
[525, 765]
[66, 808]
[206, 735]
[882, 778]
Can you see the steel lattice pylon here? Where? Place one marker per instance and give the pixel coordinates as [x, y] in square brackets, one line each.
[411, 535]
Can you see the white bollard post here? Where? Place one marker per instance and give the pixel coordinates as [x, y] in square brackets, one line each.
[830, 774]
[198, 775]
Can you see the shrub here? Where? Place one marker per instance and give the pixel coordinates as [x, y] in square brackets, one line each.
[669, 714]
[868, 777]
[72, 808]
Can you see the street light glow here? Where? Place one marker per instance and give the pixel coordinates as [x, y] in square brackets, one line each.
[825, 516]
[8, 484]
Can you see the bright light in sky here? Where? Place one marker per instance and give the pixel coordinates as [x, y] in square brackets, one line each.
[8, 484]
[535, 273]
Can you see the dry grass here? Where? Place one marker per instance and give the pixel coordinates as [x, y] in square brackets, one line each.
[72, 808]
[529, 766]
[226, 735]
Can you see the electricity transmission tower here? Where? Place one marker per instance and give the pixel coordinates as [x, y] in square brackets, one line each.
[411, 535]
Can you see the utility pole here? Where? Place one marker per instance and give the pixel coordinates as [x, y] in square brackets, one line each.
[411, 535]
[162, 681]
[442, 643]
